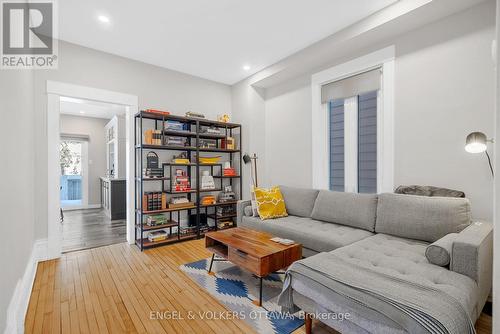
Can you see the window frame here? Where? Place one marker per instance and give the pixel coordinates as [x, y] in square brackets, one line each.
[383, 59]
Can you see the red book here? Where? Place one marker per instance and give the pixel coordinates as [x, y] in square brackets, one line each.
[158, 112]
[229, 172]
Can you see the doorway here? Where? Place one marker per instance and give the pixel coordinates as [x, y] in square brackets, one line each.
[73, 163]
[83, 223]
[92, 156]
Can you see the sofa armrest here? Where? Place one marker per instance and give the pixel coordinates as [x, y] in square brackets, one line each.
[472, 255]
[240, 209]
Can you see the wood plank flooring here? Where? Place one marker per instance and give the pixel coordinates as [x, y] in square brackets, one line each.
[90, 228]
[114, 289]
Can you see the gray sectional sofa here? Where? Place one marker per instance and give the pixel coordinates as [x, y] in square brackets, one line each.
[394, 263]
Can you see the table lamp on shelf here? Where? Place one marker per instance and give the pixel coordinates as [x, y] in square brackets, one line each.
[476, 142]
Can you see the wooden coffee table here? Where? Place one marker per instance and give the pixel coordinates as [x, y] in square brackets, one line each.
[251, 250]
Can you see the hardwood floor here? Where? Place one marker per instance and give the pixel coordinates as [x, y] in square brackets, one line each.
[114, 289]
[90, 228]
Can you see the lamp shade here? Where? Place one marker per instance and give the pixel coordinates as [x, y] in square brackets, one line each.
[475, 142]
[246, 158]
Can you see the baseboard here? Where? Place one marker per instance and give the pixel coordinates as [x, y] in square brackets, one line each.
[18, 305]
[82, 207]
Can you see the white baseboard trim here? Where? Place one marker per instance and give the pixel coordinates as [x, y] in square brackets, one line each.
[18, 305]
[82, 207]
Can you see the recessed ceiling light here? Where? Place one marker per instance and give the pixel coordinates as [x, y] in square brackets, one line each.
[103, 19]
[246, 67]
[82, 112]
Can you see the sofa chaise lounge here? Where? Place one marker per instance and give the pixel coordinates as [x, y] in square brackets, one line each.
[366, 260]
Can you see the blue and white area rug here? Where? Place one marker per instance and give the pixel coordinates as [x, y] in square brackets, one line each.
[237, 288]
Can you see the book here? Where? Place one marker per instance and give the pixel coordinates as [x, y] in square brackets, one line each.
[157, 112]
[282, 241]
[157, 137]
[180, 161]
[154, 200]
[157, 236]
[152, 137]
[148, 137]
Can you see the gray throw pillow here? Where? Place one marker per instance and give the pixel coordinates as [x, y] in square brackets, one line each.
[439, 252]
[248, 211]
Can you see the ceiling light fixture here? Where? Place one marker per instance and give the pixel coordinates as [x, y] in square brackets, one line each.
[246, 67]
[82, 112]
[103, 19]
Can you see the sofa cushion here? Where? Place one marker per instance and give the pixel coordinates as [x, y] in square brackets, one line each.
[421, 218]
[405, 259]
[351, 209]
[299, 201]
[315, 235]
[439, 252]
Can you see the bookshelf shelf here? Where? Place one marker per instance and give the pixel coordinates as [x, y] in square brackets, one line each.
[192, 191]
[191, 135]
[186, 148]
[218, 217]
[147, 179]
[171, 223]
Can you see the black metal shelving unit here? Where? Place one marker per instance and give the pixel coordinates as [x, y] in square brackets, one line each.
[173, 223]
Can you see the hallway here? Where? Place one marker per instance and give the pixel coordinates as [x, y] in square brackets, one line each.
[83, 229]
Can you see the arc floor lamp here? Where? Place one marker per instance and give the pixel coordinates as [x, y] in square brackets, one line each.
[476, 142]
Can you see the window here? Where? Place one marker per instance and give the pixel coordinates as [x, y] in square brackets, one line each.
[352, 107]
[360, 146]
[336, 108]
[353, 125]
[367, 142]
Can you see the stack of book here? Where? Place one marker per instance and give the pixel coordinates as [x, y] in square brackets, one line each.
[178, 202]
[224, 211]
[228, 143]
[225, 224]
[157, 236]
[229, 171]
[154, 200]
[181, 181]
[176, 141]
[188, 230]
[175, 126]
[156, 220]
[152, 137]
[153, 172]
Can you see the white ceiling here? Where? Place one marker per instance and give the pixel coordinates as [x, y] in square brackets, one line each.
[88, 108]
[209, 39]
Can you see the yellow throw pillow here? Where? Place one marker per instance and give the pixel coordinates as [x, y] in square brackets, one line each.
[270, 203]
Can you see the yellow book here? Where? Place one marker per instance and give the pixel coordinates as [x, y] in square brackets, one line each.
[181, 161]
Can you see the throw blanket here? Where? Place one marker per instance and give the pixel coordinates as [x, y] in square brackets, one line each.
[431, 310]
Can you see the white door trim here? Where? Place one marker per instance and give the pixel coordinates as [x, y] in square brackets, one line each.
[54, 91]
[384, 59]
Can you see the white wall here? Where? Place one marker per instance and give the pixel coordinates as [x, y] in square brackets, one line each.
[16, 184]
[496, 230]
[156, 88]
[288, 134]
[248, 110]
[443, 90]
[94, 129]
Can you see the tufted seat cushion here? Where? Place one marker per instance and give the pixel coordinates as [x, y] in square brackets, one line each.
[405, 259]
[312, 234]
